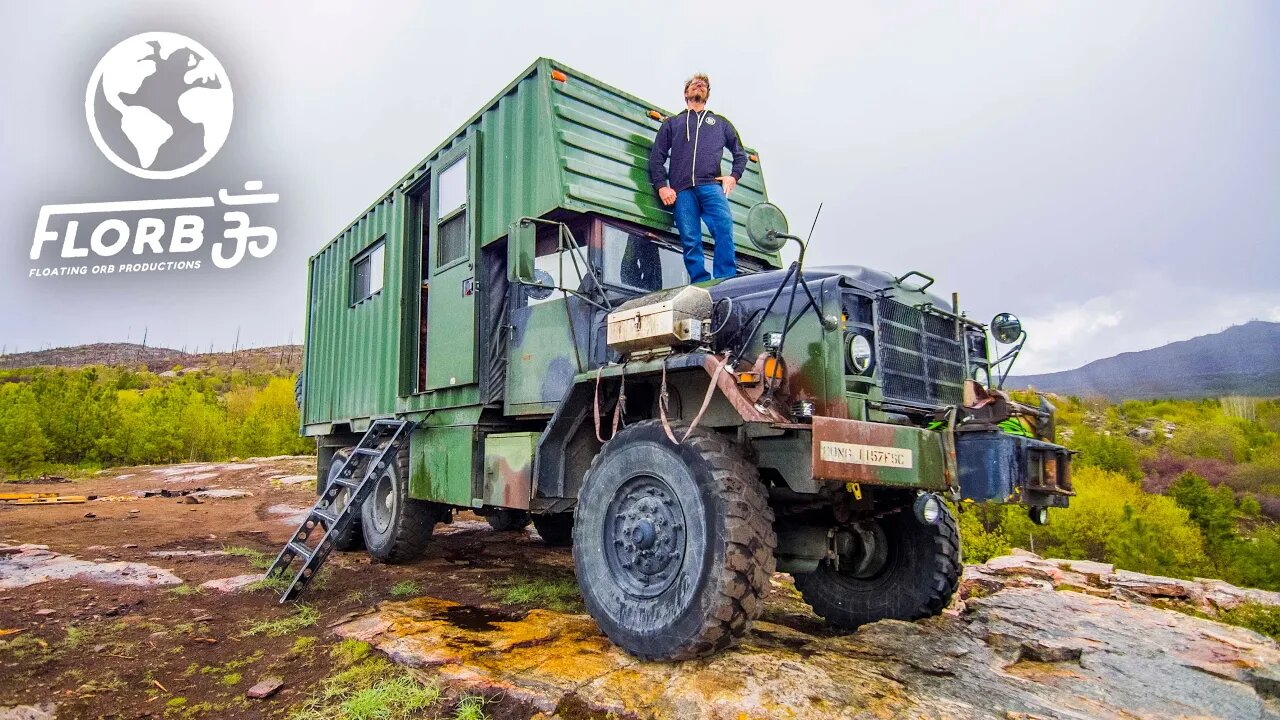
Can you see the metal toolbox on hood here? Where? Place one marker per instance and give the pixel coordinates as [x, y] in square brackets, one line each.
[661, 320]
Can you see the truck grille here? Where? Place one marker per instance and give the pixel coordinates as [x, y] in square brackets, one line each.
[921, 361]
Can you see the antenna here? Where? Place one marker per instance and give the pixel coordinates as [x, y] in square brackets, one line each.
[814, 225]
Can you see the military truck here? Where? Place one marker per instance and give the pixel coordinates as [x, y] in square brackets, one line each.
[509, 330]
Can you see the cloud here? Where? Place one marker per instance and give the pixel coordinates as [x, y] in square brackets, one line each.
[1149, 312]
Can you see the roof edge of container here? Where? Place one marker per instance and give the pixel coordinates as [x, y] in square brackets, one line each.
[417, 167]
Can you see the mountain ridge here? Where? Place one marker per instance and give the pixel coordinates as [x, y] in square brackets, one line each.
[155, 359]
[1241, 360]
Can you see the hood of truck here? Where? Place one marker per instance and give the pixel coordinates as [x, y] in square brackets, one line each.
[856, 276]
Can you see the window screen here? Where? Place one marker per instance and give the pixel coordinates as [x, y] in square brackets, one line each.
[453, 239]
[367, 271]
[451, 206]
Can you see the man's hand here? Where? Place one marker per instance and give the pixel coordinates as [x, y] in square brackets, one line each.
[667, 195]
[729, 182]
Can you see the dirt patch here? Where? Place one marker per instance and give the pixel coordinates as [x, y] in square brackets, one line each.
[118, 651]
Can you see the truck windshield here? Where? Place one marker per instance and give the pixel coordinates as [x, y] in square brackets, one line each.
[637, 261]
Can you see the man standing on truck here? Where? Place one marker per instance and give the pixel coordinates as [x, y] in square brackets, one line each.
[695, 140]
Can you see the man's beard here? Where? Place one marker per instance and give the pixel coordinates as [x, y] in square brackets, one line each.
[696, 97]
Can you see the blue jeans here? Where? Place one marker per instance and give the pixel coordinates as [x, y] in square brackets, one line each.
[694, 206]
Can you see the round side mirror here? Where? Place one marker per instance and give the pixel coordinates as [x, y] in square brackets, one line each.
[544, 287]
[765, 226]
[1006, 328]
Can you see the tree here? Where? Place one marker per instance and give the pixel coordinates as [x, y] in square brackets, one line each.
[1209, 508]
[22, 442]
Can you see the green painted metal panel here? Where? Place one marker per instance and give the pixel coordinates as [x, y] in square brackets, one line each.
[539, 145]
[441, 464]
[351, 356]
[603, 140]
[508, 469]
[540, 358]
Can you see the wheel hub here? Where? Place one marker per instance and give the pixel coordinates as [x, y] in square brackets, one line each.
[645, 536]
[863, 549]
[383, 503]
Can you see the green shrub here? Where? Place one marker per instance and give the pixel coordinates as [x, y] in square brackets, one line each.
[1112, 520]
[1264, 619]
[977, 544]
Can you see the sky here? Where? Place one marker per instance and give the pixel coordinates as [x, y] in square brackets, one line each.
[1108, 171]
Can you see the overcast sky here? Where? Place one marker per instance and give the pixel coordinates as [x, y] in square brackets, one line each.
[1109, 171]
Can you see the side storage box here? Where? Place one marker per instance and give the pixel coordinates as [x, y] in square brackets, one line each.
[508, 469]
[999, 467]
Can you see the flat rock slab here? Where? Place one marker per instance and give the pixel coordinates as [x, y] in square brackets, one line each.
[265, 688]
[21, 566]
[231, 584]
[292, 515]
[458, 526]
[46, 711]
[1024, 569]
[1020, 651]
[223, 493]
[296, 479]
[186, 553]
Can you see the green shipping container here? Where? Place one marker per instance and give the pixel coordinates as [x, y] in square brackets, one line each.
[392, 330]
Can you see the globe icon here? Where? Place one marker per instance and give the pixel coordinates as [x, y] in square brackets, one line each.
[159, 105]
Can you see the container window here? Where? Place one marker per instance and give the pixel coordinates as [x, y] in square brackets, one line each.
[453, 188]
[637, 261]
[451, 211]
[453, 240]
[367, 271]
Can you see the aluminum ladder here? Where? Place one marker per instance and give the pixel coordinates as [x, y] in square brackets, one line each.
[376, 450]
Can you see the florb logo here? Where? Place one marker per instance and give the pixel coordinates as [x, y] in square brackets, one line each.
[159, 105]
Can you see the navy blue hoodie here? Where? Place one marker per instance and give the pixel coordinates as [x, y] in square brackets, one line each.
[695, 142]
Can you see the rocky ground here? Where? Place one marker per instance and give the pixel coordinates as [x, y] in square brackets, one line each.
[138, 604]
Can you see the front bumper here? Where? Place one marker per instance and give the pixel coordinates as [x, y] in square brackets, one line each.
[1002, 468]
[878, 454]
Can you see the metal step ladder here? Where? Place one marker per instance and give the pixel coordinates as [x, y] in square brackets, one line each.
[376, 450]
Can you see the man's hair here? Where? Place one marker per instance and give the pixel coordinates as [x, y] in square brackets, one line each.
[698, 76]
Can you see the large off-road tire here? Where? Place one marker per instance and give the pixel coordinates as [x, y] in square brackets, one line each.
[396, 527]
[914, 577]
[673, 543]
[351, 539]
[555, 530]
[506, 519]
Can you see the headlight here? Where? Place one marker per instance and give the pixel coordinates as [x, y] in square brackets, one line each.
[928, 509]
[859, 353]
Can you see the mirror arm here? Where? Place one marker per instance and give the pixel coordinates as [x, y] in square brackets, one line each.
[1011, 356]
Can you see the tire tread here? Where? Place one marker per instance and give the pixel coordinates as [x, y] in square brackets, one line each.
[736, 595]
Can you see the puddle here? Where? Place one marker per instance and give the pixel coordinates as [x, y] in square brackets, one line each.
[475, 619]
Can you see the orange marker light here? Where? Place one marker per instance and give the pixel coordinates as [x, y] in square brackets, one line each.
[558, 76]
[754, 157]
[655, 115]
[773, 368]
